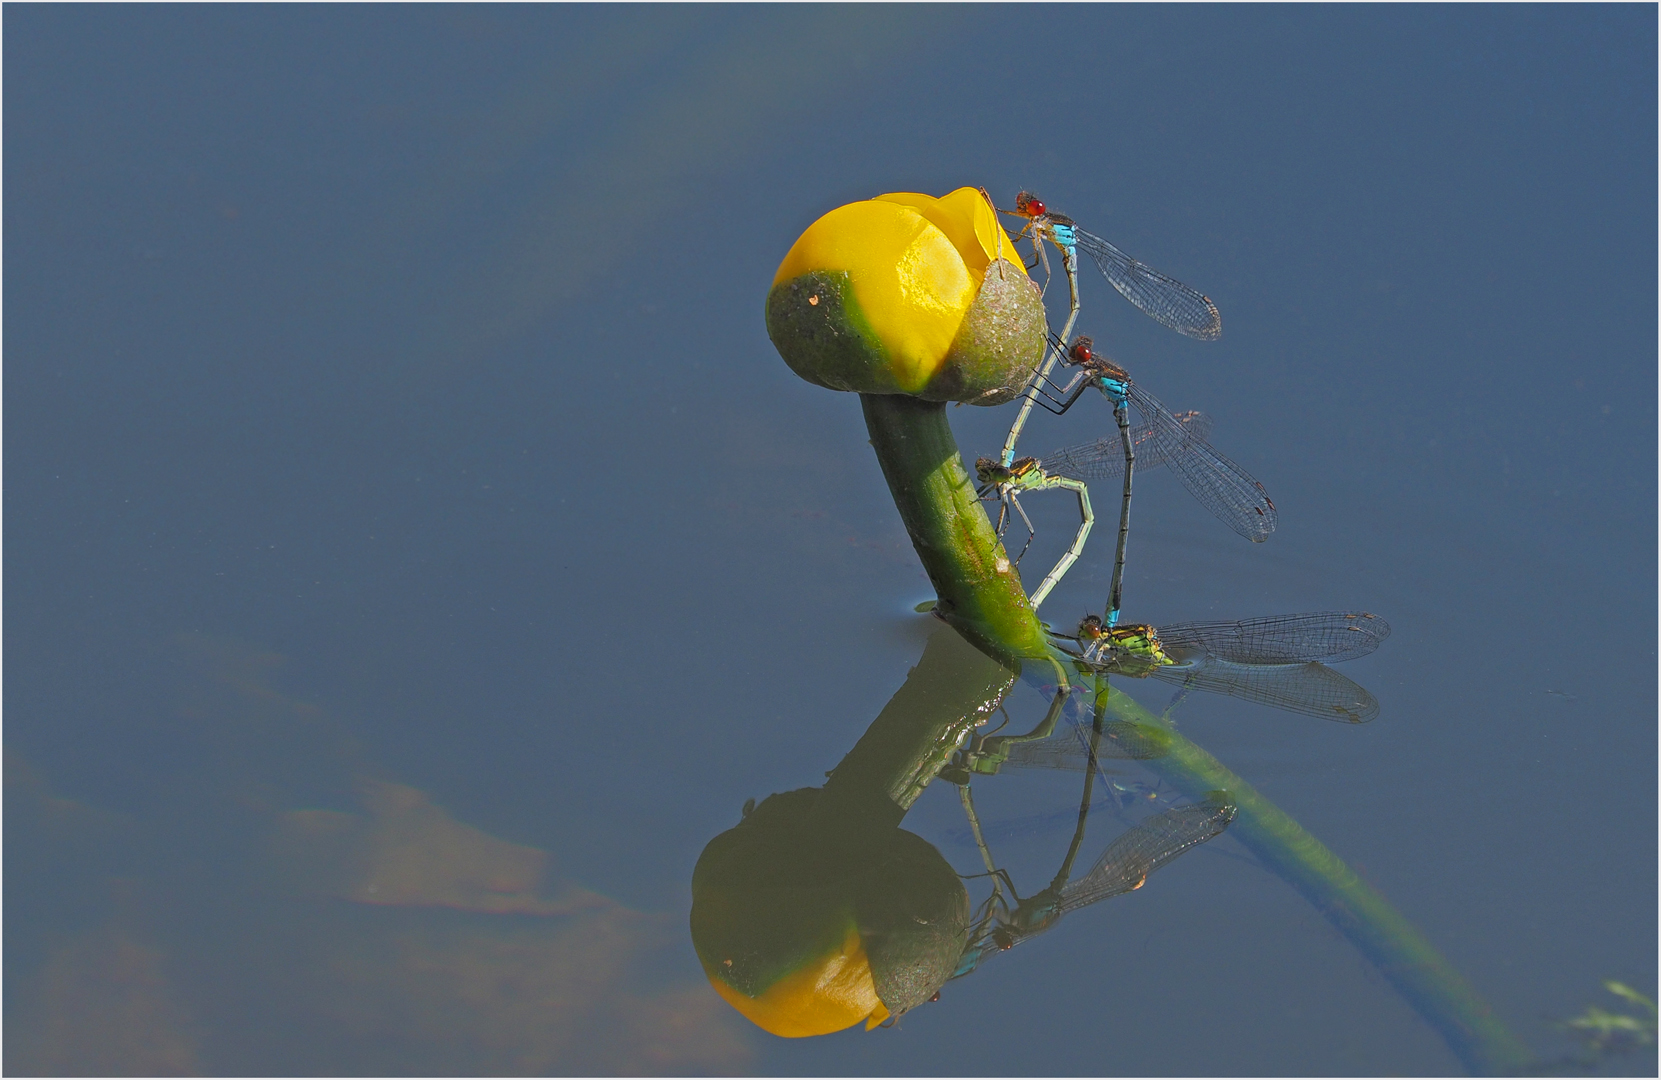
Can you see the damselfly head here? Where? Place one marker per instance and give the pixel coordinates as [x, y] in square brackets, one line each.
[1083, 354]
[1027, 205]
[1090, 628]
[987, 470]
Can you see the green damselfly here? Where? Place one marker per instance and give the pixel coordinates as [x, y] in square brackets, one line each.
[1276, 660]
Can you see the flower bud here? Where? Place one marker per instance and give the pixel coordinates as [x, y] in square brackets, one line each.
[909, 294]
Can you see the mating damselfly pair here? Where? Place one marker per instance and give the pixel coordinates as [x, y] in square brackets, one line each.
[1162, 438]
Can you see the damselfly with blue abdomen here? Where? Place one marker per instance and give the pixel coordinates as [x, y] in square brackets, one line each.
[1221, 486]
[1165, 299]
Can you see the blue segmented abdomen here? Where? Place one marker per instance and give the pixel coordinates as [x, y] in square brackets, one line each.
[1115, 390]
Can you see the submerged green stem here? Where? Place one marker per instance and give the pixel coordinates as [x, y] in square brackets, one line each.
[1385, 937]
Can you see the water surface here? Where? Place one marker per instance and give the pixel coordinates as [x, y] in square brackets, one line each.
[417, 551]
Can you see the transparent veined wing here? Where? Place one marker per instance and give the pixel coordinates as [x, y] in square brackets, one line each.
[1105, 457]
[1327, 637]
[1221, 486]
[1167, 300]
[1310, 689]
[1124, 867]
[1128, 861]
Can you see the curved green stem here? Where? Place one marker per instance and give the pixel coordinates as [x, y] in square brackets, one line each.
[980, 590]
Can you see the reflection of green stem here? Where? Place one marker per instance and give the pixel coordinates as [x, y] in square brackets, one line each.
[1414, 967]
[981, 596]
[951, 691]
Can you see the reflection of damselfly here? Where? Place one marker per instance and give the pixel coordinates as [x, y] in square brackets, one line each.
[1278, 660]
[1076, 746]
[1167, 300]
[1045, 747]
[1003, 923]
[1008, 482]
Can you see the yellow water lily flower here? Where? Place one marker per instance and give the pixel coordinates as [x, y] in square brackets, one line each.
[909, 294]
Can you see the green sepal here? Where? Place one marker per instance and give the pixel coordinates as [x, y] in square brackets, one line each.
[817, 327]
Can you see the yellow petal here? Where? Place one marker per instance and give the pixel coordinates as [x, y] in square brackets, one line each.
[995, 243]
[950, 219]
[970, 221]
[826, 995]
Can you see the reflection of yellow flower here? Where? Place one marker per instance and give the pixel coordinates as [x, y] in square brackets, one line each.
[808, 926]
[908, 294]
[826, 994]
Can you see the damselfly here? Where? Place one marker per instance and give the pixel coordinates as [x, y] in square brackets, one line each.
[1006, 482]
[1221, 486]
[1278, 660]
[1166, 300]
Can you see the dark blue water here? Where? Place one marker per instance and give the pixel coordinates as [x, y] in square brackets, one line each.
[417, 551]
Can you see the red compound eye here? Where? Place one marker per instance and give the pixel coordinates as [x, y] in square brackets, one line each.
[1027, 205]
[1081, 350]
